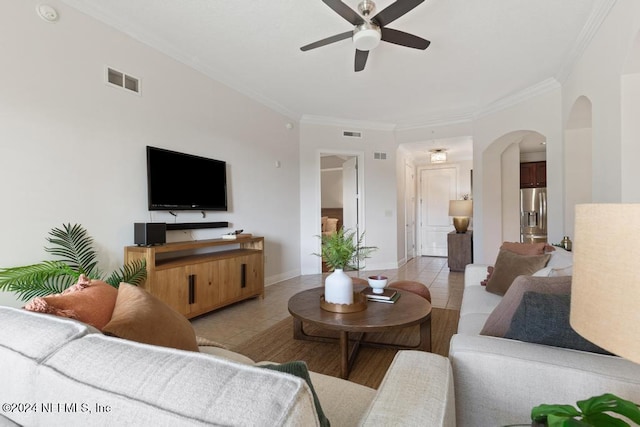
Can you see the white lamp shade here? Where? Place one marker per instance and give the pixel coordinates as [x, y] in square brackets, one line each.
[461, 208]
[605, 289]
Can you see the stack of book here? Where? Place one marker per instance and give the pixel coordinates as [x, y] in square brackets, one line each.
[388, 295]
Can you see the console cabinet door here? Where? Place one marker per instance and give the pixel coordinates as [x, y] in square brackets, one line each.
[253, 274]
[172, 287]
[204, 293]
[241, 276]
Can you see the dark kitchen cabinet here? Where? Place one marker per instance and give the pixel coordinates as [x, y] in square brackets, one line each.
[533, 174]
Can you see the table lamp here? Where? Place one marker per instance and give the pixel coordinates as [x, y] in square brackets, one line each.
[605, 290]
[461, 210]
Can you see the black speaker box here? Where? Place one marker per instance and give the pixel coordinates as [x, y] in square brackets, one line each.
[149, 233]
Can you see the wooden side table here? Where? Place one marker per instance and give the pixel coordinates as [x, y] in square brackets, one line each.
[460, 250]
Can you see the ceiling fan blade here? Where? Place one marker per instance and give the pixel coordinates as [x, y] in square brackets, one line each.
[361, 59]
[404, 39]
[345, 11]
[327, 41]
[394, 11]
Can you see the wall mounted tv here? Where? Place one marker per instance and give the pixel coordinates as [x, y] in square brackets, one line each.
[179, 181]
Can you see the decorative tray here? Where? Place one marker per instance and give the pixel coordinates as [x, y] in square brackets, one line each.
[359, 304]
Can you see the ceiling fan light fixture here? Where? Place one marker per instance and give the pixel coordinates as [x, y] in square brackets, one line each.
[366, 36]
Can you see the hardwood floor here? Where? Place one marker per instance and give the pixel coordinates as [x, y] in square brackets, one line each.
[238, 323]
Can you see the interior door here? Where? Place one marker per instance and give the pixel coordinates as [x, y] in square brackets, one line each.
[437, 187]
[410, 212]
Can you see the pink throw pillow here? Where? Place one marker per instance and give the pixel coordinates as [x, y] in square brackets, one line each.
[89, 301]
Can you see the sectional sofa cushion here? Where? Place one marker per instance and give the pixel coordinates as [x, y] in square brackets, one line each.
[499, 320]
[157, 386]
[140, 316]
[89, 301]
[510, 265]
[300, 369]
[544, 319]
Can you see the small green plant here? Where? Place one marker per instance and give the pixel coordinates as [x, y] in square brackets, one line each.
[590, 412]
[74, 248]
[341, 250]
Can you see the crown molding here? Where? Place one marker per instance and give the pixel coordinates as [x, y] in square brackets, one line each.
[516, 98]
[593, 24]
[357, 124]
[591, 27]
[437, 120]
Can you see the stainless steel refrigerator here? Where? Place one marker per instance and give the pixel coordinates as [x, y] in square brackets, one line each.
[533, 215]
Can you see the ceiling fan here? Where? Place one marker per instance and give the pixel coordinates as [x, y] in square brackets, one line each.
[369, 31]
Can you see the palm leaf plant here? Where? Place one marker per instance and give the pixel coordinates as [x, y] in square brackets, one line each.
[590, 412]
[73, 247]
[342, 250]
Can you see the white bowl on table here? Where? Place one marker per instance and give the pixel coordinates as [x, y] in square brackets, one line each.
[377, 283]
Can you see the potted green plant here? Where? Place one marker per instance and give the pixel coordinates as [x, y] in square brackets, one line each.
[590, 412]
[73, 247]
[342, 250]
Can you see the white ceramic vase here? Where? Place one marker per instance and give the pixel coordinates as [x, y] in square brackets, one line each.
[338, 288]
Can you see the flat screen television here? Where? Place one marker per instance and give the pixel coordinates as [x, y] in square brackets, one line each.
[179, 181]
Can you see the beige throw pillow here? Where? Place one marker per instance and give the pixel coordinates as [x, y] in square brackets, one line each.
[509, 266]
[499, 320]
[140, 316]
[524, 248]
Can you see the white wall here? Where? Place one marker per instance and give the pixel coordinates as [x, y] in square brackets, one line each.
[331, 188]
[597, 75]
[378, 181]
[578, 173]
[493, 134]
[72, 149]
[630, 137]
[510, 166]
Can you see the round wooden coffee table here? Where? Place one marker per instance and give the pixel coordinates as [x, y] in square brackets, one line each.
[410, 309]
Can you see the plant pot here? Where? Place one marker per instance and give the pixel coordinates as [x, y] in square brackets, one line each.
[338, 288]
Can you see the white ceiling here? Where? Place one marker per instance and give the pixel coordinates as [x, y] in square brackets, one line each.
[482, 52]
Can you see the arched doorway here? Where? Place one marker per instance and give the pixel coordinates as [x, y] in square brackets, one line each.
[501, 163]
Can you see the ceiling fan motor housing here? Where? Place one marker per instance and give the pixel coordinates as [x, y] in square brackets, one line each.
[366, 7]
[366, 36]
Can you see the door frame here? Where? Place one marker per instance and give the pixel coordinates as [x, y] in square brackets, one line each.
[410, 205]
[360, 155]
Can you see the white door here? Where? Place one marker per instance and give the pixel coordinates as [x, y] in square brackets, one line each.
[437, 187]
[410, 212]
[350, 194]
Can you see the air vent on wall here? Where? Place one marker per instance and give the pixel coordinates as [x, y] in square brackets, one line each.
[123, 80]
[352, 134]
[380, 156]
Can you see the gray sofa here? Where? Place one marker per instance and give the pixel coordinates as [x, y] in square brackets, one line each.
[498, 381]
[58, 371]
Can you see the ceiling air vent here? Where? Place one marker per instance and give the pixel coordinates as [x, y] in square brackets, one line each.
[352, 134]
[123, 80]
[380, 156]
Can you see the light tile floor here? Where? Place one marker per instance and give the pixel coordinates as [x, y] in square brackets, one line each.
[237, 323]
